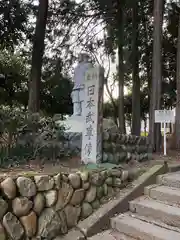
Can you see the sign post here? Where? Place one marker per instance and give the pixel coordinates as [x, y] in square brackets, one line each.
[165, 148]
[164, 116]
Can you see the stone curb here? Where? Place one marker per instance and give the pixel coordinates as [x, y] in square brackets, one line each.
[100, 220]
[173, 167]
[74, 234]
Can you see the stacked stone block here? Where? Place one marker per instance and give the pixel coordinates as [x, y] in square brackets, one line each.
[119, 148]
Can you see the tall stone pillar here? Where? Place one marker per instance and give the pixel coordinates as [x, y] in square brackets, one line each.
[91, 151]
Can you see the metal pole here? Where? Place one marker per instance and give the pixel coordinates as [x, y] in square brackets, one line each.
[165, 152]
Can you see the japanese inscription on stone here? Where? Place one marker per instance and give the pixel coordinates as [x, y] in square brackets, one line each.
[89, 135]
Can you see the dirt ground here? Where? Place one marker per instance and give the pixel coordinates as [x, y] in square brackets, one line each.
[73, 164]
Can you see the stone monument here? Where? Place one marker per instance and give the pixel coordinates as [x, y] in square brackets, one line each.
[84, 128]
[91, 150]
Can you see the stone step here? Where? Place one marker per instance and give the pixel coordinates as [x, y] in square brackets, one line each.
[170, 179]
[153, 221]
[141, 230]
[110, 235]
[146, 206]
[163, 193]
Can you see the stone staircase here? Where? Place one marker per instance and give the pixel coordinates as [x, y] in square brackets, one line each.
[154, 216]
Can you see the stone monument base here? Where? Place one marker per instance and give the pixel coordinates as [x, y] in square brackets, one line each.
[117, 148]
[74, 128]
[73, 124]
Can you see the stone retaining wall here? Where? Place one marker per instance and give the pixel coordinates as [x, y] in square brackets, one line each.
[46, 206]
[118, 148]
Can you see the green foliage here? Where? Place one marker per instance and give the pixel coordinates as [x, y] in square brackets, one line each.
[14, 18]
[13, 67]
[25, 137]
[55, 88]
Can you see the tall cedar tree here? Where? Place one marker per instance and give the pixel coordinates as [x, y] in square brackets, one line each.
[120, 19]
[177, 122]
[136, 115]
[154, 129]
[37, 57]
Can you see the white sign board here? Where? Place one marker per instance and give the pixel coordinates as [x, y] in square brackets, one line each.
[164, 116]
[90, 131]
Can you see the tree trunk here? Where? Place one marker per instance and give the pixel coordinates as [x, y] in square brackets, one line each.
[37, 57]
[145, 126]
[147, 53]
[155, 102]
[113, 103]
[136, 115]
[177, 122]
[121, 117]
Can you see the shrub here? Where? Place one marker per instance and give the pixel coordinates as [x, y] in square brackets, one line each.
[24, 137]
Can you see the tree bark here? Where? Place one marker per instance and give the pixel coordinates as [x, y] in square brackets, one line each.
[136, 115]
[177, 120]
[37, 58]
[121, 117]
[113, 103]
[147, 53]
[155, 101]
